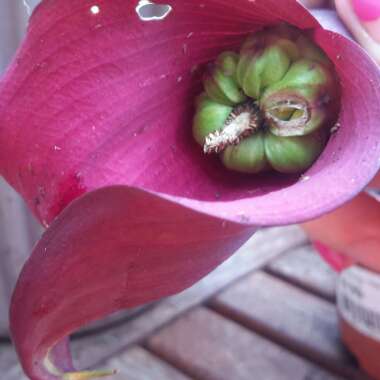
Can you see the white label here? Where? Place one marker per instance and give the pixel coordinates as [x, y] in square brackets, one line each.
[359, 300]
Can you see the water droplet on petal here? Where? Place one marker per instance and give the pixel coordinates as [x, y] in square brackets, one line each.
[95, 9]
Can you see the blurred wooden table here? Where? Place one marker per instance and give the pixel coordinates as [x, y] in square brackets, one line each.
[268, 313]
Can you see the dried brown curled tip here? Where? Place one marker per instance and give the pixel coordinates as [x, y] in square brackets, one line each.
[290, 116]
[243, 121]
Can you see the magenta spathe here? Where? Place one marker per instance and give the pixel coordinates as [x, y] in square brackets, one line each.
[95, 129]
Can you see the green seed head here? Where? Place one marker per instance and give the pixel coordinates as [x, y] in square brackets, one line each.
[293, 154]
[220, 80]
[248, 156]
[264, 62]
[227, 62]
[270, 106]
[210, 117]
[307, 87]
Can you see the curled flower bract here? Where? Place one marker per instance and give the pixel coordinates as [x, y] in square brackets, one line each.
[95, 134]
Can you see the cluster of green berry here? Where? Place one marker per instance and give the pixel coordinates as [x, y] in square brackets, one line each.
[271, 106]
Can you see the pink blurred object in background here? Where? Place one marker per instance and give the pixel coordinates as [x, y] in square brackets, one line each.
[337, 260]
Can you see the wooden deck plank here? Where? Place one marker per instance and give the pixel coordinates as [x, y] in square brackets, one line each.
[139, 364]
[261, 249]
[301, 321]
[211, 347]
[306, 268]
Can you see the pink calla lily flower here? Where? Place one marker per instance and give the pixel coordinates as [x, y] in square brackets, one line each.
[95, 134]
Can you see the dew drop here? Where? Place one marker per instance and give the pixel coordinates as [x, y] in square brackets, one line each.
[95, 9]
[304, 178]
